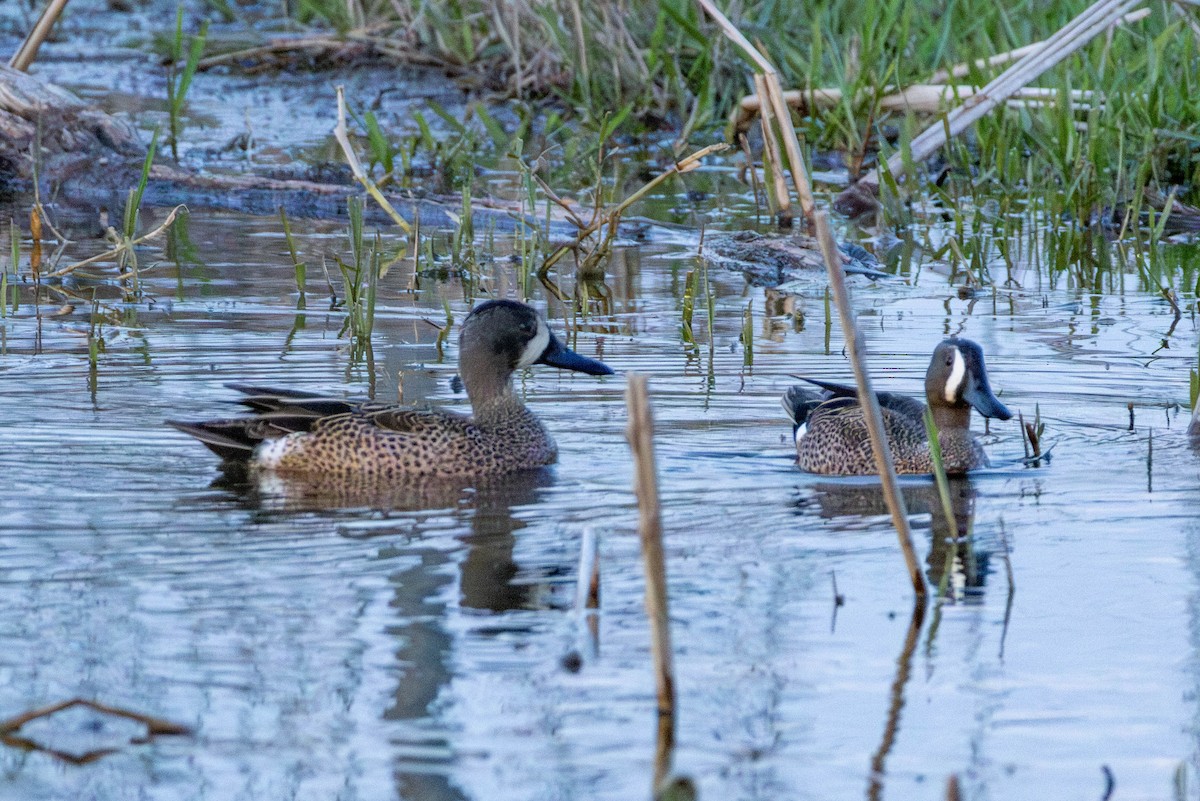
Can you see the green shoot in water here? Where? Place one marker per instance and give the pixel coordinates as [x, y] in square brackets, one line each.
[748, 335]
[689, 306]
[300, 268]
[939, 469]
[178, 84]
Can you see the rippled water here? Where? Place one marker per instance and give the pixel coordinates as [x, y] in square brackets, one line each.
[412, 646]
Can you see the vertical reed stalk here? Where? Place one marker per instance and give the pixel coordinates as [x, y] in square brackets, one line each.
[640, 433]
[868, 402]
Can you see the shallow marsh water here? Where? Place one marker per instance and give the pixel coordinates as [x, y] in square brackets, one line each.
[411, 646]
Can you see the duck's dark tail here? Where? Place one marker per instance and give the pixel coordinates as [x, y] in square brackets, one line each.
[277, 414]
[798, 402]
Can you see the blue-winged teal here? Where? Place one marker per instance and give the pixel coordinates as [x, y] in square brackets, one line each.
[304, 434]
[831, 434]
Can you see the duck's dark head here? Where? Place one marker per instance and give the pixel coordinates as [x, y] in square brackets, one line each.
[502, 336]
[957, 379]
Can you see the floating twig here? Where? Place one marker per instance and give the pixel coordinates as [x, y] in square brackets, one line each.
[124, 245]
[155, 727]
[610, 218]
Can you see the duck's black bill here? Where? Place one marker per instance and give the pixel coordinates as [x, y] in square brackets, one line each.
[557, 355]
[979, 395]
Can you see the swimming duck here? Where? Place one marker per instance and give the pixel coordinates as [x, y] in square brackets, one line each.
[831, 433]
[308, 435]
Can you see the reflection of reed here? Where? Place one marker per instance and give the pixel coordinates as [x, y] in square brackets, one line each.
[903, 671]
[953, 553]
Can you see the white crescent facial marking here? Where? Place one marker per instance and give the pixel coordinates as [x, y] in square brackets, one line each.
[958, 374]
[536, 346]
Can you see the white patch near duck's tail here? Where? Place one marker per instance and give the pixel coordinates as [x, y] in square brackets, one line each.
[536, 346]
[958, 374]
[270, 452]
[801, 430]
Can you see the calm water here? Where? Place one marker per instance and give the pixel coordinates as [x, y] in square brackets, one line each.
[411, 646]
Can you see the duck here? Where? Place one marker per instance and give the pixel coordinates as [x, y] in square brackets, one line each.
[831, 433]
[303, 434]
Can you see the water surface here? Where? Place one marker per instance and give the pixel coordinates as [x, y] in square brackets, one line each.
[411, 646]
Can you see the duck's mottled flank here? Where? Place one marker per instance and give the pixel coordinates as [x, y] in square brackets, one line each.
[298, 433]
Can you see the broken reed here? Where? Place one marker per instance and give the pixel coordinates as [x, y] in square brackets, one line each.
[870, 405]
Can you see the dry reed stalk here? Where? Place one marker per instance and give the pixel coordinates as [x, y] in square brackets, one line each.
[27, 52]
[868, 402]
[640, 433]
[782, 200]
[343, 139]
[791, 144]
[962, 70]
[1093, 21]
[927, 98]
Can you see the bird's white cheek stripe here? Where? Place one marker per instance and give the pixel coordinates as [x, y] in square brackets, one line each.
[533, 351]
[958, 373]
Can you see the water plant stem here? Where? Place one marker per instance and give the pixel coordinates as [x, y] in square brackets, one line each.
[640, 433]
[868, 401]
[939, 470]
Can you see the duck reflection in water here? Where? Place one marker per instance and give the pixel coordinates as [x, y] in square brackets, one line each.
[955, 555]
[490, 583]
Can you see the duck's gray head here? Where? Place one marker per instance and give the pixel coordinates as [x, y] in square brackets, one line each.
[957, 379]
[502, 336]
